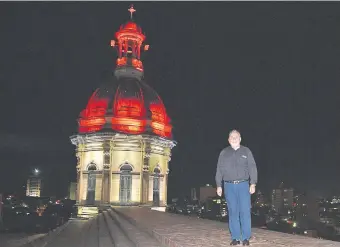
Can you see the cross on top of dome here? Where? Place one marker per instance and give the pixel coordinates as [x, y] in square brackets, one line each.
[131, 10]
[127, 104]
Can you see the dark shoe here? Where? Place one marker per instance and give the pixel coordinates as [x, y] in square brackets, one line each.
[245, 242]
[235, 242]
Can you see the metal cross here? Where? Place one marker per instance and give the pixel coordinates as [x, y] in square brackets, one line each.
[131, 10]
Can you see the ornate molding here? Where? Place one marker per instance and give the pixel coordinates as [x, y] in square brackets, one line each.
[146, 168]
[107, 159]
[116, 137]
[78, 158]
[78, 167]
[126, 162]
[147, 155]
[92, 163]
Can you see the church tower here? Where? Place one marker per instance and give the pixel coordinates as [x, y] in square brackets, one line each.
[124, 139]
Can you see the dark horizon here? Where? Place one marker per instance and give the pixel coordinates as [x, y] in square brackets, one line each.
[270, 70]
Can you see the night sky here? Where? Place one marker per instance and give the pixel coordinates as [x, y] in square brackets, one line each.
[271, 70]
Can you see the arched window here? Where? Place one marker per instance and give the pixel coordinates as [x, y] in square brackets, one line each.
[92, 167]
[157, 171]
[126, 168]
[91, 184]
[125, 184]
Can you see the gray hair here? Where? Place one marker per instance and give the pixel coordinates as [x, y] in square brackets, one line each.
[234, 131]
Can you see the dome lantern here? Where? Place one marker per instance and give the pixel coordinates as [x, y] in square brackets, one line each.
[129, 45]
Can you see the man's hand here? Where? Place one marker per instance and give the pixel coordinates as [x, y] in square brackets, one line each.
[252, 189]
[219, 191]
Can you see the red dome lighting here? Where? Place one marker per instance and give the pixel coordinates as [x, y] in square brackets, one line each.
[126, 104]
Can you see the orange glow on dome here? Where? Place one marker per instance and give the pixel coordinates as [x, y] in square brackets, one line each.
[95, 107]
[158, 113]
[131, 26]
[160, 121]
[91, 125]
[121, 61]
[89, 129]
[92, 118]
[128, 125]
[134, 62]
[161, 129]
[129, 108]
[137, 64]
[128, 116]
[98, 121]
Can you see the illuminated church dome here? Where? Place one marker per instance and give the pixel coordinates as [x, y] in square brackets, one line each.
[124, 141]
[126, 104]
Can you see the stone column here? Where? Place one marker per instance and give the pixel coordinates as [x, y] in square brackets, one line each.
[145, 179]
[166, 187]
[106, 188]
[106, 176]
[78, 197]
[166, 177]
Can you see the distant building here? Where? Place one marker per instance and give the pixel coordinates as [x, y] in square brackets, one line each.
[193, 194]
[282, 199]
[327, 220]
[277, 200]
[288, 198]
[260, 201]
[33, 186]
[206, 192]
[301, 208]
[72, 191]
[313, 208]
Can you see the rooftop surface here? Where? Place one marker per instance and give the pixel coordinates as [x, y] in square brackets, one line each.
[143, 227]
[179, 230]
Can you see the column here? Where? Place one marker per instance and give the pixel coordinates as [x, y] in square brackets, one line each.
[166, 189]
[166, 177]
[78, 187]
[106, 175]
[78, 194]
[145, 179]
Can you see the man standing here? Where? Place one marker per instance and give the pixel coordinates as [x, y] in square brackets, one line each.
[237, 168]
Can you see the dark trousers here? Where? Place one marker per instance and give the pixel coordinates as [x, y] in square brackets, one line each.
[239, 209]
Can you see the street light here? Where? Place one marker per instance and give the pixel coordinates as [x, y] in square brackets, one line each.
[36, 171]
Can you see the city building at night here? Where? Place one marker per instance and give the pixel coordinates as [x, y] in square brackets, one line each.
[124, 139]
[33, 187]
[282, 199]
[288, 197]
[206, 192]
[260, 200]
[277, 200]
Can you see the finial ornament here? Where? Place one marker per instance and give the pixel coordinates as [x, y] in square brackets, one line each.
[131, 10]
